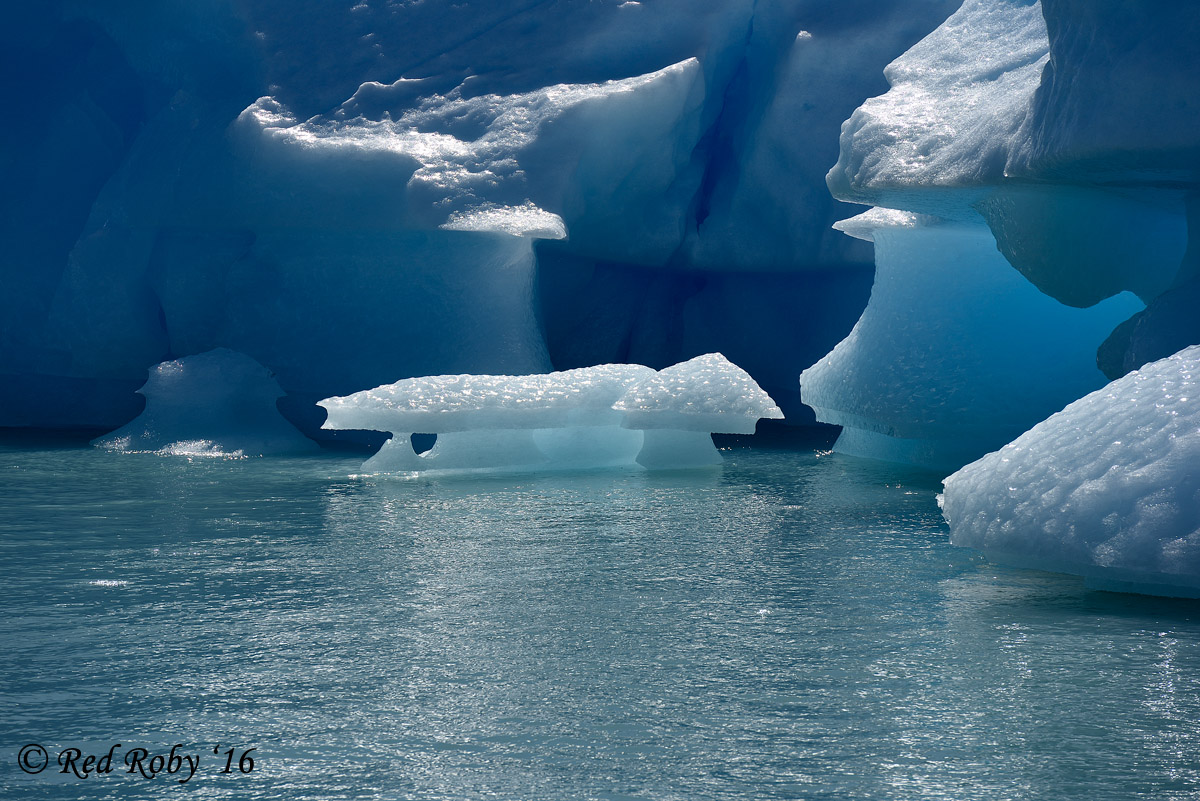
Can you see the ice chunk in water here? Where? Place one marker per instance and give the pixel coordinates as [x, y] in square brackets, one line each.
[679, 406]
[219, 403]
[489, 422]
[609, 415]
[708, 393]
[1108, 488]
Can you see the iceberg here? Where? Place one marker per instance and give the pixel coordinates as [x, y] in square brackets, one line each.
[1108, 488]
[358, 192]
[608, 415]
[677, 408]
[219, 403]
[993, 150]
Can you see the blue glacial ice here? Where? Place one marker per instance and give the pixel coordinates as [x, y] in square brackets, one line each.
[603, 416]
[354, 192]
[983, 148]
[956, 353]
[220, 403]
[1060, 139]
[1108, 488]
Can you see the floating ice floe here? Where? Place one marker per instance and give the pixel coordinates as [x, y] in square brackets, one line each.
[220, 403]
[608, 415]
[1108, 488]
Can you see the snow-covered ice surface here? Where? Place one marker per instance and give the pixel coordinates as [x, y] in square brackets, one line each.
[707, 393]
[1108, 488]
[608, 415]
[220, 403]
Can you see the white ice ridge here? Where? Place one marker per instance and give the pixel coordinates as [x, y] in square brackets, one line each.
[608, 415]
[220, 403]
[1108, 488]
[475, 162]
[956, 102]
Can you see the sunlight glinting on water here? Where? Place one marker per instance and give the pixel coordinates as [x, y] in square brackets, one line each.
[791, 625]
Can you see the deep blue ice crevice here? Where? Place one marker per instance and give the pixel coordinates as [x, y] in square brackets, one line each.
[717, 149]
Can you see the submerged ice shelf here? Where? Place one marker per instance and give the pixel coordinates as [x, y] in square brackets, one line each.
[608, 415]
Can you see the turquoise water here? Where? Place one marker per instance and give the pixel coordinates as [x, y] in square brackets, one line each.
[792, 625]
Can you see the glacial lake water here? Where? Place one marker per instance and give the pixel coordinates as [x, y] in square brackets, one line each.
[793, 624]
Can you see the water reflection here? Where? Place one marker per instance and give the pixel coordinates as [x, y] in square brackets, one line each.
[562, 622]
[1090, 685]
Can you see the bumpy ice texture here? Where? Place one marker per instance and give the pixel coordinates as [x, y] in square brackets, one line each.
[445, 403]
[613, 414]
[707, 393]
[1108, 488]
[220, 403]
[958, 98]
[678, 407]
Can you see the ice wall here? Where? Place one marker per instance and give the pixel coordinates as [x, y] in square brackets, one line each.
[997, 131]
[956, 353]
[351, 192]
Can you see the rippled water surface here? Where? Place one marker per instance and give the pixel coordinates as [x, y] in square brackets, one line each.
[788, 626]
